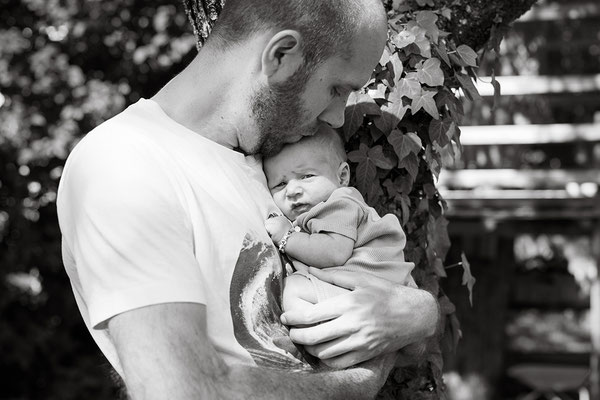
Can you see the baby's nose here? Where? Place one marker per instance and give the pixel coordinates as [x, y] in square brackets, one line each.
[293, 189]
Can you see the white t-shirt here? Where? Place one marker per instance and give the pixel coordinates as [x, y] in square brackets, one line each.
[152, 212]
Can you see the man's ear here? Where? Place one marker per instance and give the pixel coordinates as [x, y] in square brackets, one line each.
[344, 174]
[282, 55]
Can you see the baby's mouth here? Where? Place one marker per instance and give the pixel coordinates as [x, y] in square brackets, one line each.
[300, 208]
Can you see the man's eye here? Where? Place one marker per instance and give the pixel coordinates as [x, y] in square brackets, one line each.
[307, 176]
[335, 92]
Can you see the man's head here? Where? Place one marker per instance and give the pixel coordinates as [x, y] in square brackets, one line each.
[313, 54]
[305, 173]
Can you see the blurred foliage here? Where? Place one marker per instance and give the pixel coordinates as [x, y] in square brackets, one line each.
[65, 66]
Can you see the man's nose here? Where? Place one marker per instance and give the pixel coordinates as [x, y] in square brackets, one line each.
[334, 113]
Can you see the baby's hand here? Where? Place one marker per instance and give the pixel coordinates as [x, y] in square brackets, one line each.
[277, 227]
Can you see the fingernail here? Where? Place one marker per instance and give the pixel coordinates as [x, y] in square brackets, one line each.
[283, 319]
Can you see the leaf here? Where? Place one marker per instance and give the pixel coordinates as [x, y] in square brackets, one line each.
[430, 73]
[366, 173]
[427, 19]
[357, 106]
[467, 55]
[404, 201]
[359, 155]
[438, 131]
[469, 88]
[404, 38]
[378, 92]
[496, 86]
[426, 102]
[446, 13]
[411, 164]
[397, 67]
[385, 57]
[376, 155]
[409, 88]
[453, 104]
[404, 144]
[467, 279]
[440, 49]
[392, 112]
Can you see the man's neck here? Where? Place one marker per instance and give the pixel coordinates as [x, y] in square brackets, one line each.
[205, 98]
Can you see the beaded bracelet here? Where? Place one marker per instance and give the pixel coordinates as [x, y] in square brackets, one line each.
[285, 238]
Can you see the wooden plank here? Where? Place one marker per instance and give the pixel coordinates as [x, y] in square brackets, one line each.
[529, 134]
[559, 12]
[530, 84]
[515, 179]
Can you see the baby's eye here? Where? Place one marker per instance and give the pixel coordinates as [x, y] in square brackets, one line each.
[280, 185]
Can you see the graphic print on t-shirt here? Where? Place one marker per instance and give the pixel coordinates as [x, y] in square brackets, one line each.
[254, 295]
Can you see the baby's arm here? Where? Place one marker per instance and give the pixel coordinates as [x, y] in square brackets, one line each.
[319, 250]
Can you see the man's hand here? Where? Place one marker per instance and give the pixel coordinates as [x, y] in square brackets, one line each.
[375, 317]
[277, 227]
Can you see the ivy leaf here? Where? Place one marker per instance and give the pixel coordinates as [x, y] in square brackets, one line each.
[496, 86]
[392, 112]
[426, 102]
[411, 164]
[420, 39]
[467, 84]
[446, 13]
[467, 279]
[397, 66]
[453, 104]
[357, 106]
[376, 155]
[439, 131]
[378, 92]
[467, 55]
[430, 73]
[385, 57]
[427, 19]
[434, 161]
[410, 88]
[404, 201]
[440, 49]
[404, 144]
[404, 38]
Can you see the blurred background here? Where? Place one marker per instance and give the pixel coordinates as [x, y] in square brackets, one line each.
[522, 200]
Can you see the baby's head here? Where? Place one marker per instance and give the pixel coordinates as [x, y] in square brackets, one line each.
[305, 173]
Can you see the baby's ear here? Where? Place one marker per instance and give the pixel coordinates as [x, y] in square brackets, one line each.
[344, 174]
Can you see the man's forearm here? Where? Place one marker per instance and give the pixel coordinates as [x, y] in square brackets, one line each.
[362, 382]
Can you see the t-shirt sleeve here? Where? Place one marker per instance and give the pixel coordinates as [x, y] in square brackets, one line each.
[339, 214]
[122, 217]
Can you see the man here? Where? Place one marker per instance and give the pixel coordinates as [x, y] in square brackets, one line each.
[162, 218]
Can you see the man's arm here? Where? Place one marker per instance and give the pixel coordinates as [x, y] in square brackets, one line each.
[375, 317]
[165, 353]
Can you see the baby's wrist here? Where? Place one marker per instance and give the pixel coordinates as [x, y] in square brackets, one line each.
[284, 239]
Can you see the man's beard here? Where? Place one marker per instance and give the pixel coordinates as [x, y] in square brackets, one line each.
[279, 113]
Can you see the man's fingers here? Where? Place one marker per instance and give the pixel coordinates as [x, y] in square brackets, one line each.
[331, 349]
[321, 333]
[314, 314]
[347, 279]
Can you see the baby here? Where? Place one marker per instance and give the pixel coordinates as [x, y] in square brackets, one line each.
[327, 224]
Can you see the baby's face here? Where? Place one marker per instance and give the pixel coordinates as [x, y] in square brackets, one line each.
[300, 177]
